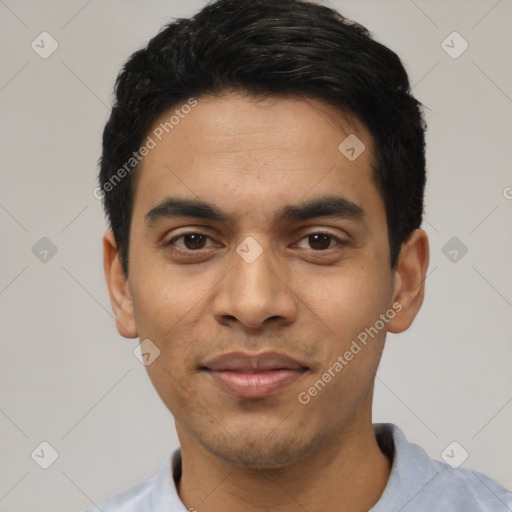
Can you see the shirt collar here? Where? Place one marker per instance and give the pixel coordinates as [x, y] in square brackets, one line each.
[411, 471]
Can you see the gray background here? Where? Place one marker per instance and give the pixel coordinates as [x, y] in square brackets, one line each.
[68, 378]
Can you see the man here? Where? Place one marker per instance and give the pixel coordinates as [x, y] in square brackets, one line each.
[263, 174]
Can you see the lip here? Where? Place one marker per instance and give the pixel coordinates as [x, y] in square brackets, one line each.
[254, 375]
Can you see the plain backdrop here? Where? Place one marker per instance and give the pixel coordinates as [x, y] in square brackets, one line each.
[68, 379]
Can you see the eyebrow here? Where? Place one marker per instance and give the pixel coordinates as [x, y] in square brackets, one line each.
[327, 206]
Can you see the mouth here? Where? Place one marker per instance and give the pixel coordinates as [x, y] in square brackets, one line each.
[254, 376]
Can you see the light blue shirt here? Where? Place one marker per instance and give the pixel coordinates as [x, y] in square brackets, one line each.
[417, 483]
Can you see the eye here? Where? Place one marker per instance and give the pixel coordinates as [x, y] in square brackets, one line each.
[320, 241]
[190, 241]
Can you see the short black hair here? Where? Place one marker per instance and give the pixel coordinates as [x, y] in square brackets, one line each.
[270, 48]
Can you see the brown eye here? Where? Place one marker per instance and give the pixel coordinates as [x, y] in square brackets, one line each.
[194, 241]
[190, 241]
[320, 241]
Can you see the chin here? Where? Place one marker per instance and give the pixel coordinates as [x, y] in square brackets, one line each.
[262, 450]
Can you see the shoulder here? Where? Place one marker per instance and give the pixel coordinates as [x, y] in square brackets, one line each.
[131, 500]
[155, 493]
[468, 490]
[419, 483]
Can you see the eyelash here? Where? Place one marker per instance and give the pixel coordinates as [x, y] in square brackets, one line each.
[173, 240]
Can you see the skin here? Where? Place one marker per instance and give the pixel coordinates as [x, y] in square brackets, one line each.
[249, 157]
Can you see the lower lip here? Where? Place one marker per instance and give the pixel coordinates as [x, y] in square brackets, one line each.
[255, 385]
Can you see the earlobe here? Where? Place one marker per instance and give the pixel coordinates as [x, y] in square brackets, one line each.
[409, 280]
[118, 288]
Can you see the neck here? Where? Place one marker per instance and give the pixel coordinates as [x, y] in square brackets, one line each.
[347, 474]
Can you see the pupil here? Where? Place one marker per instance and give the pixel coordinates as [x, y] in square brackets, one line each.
[321, 241]
[194, 241]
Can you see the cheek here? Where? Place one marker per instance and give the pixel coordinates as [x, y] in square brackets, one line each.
[169, 309]
[163, 296]
[172, 388]
[349, 303]
[347, 299]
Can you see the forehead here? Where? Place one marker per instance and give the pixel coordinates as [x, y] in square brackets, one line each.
[244, 152]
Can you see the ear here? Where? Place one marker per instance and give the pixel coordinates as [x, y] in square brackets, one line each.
[409, 280]
[118, 288]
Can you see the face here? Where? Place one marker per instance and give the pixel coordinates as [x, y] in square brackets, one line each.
[258, 256]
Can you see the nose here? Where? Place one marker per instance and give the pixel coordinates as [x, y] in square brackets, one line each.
[255, 293]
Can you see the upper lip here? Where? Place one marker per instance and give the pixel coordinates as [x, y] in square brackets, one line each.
[240, 361]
